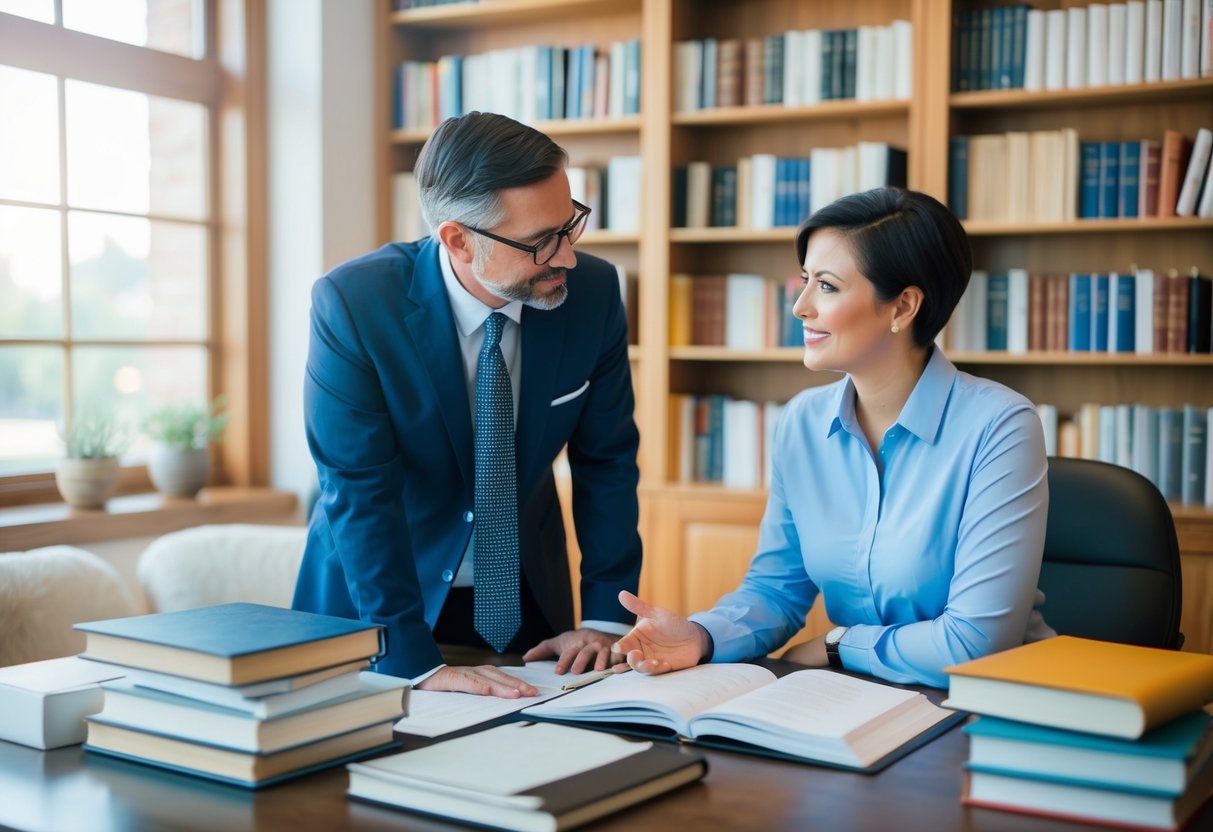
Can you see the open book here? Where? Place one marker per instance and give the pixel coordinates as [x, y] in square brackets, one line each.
[815, 716]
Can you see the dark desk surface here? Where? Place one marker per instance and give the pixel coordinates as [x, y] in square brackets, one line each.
[69, 789]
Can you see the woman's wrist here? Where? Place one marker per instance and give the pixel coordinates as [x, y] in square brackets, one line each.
[706, 646]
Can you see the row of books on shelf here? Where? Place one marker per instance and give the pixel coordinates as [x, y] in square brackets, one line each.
[1019, 47]
[769, 191]
[1050, 176]
[1086, 730]
[611, 192]
[401, 5]
[720, 439]
[528, 83]
[795, 68]
[1169, 446]
[738, 311]
[1142, 312]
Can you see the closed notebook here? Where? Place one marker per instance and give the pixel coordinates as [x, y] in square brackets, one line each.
[379, 697]
[1164, 759]
[235, 766]
[1118, 690]
[43, 704]
[232, 644]
[525, 776]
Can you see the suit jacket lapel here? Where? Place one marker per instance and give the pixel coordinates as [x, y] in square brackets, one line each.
[542, 345]
[432, 328]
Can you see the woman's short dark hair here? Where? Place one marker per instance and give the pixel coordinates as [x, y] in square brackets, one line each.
[901, 238]
[468, 159]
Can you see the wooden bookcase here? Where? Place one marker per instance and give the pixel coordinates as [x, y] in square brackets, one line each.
[699, 538]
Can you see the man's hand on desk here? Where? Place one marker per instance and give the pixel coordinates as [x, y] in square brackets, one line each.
[576, 651]
[483, 680]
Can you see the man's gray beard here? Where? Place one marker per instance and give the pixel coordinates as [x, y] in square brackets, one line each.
[525, 293]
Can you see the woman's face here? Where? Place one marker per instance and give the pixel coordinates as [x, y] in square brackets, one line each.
[846, 328]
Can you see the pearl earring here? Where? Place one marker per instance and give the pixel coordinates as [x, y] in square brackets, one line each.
[896, 328]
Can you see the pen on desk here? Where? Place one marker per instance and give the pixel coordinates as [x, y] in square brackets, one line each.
[590, 678]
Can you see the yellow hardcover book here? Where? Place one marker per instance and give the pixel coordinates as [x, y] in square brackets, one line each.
[1118, 690]
[680, 310]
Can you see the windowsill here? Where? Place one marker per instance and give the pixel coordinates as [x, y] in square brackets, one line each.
[141, 515]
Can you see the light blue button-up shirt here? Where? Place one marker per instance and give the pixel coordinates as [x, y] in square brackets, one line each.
[929, 552]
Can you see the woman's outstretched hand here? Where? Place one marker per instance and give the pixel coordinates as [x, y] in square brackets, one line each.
[661, 641]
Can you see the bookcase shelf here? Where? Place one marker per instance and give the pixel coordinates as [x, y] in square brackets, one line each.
[773, 113]
[492, 13]
[1084, 97]
[732, 235]
[977, 228]
[1083, 359]
[556, 128]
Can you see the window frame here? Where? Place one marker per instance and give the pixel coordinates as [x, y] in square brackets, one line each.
[229, 80]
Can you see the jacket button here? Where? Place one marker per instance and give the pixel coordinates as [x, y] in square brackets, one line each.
[447, 576]
[468, 517]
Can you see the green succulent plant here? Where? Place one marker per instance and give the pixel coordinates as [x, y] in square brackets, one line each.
[94, 434]
[189, 425]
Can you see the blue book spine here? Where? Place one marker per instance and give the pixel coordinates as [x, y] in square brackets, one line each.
[1130, 174]
[559, 72]
[838, 57]
[985, 50]
[543, 82]
[1099, 312]
[1194, 455]
[1124, 307]
[997, 297]
[1170, 452]
[781, 191]
[1088, 180]
[827, 65]
[803, 190]
[958, 176]
[850, 51]
[631, 77]
[1019, 44]
[1002, 62]
[1109, 179]
[572, 84]
[1080, 312]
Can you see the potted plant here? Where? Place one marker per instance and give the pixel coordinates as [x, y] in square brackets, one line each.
[180, 462]
[88, 473]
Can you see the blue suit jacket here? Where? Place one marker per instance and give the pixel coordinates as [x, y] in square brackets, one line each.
[389, 426]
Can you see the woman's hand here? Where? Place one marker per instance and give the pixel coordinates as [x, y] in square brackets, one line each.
[661, 641]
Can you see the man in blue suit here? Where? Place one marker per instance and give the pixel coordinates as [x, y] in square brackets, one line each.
[391, 398]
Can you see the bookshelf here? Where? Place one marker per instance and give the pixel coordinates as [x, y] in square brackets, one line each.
[699, 537]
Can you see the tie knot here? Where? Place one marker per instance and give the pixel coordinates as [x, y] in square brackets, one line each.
[492, 329]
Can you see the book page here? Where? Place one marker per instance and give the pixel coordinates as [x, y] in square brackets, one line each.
[669, 699]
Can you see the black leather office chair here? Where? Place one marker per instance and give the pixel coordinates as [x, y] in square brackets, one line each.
[1111, 564]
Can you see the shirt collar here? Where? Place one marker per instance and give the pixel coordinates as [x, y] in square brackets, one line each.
[922, 413]
[470, 313]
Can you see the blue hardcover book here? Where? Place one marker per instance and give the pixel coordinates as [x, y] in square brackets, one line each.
[1003, 57]
[587, 80]
[1164, 759]
[1099, 312]
[1109, 179]
[1130, 176]
[827, 65]
[985, 50]
[572, 83]
[803, 191]
[560, 58]
[1122, 319]
[1080, 312]
[1019, 44]
[958, 176]
[543, 82]
[783, 191]
[850, 51]
[707, 82]
[1088, 180]
[1170, 452]
[1194, 455]
[631, 77]
[838, 57]
[232, 644]
[997, 299]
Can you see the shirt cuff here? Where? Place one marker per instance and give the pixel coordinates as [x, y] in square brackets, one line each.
[417, 680]
[615, 628]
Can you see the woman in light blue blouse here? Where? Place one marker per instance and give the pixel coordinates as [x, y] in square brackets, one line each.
[910, 495]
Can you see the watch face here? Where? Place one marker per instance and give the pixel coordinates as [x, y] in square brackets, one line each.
[835, 635]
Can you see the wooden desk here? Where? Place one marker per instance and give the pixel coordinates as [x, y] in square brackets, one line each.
[70, 789]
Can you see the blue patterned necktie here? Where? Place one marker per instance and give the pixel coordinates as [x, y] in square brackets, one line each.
[496, 612]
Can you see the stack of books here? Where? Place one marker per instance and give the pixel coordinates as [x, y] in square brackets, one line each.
[242, 693]
[1088, 730]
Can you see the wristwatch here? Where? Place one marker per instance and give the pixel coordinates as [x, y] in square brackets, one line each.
[832, 640]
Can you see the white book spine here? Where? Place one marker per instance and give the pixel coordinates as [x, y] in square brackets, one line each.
[1116, 52]
[886, 60]
[1017, 311]
[618, 69]
[1205, 209]
[1048, 423]
[1097, 45]
[1124, 435]
[1135, 40]
[688, 64]
[1055, 49]
[1172, 38]
[1189, 40]
[762, 190]
[903, 51]
[793, 60]
[1034, 52]
[1076, 47]
[1197, 163]
[1143, 320]
[1206, 39]
[810, 67]
[1153, 61]
[865, 59]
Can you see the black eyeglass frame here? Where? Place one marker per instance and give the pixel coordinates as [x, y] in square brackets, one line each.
[578, 220]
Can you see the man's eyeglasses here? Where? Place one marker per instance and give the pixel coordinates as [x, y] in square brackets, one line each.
[546, 249]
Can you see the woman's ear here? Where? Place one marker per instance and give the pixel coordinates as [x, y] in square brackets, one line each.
[905, 307]
[457, 240]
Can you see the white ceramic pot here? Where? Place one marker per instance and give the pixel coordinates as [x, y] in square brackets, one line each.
[179, 472]
[87, 483]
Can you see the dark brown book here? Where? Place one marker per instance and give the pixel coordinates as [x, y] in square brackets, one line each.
[754, 73]
[730, 70]
[1037, 284]
[1177, 312]
[1176, 148]
[707, 306]
[1147, 189]
[1059, 312]
[1161, 301]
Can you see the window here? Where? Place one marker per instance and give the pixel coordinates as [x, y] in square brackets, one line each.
[109, 244]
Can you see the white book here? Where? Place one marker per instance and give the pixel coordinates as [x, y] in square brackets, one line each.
[793, 60]
[745, 313]
[903, 64]
[1017, 311]
[873, 165]
[1152, 70]
[886, 62]
[1135, 41]
[762, 190]
[1143, 331]
[1056, 39]
[1190, 40]
[624, 174]
[1205, 209]
[742, 449]
[618, 54]
[43, 704]
[527, 62]
[1206, 39]
[1198, 162]
[1116, 44]
[699, 194]
[1106, 443]
[1076, 47]
[810, 67]
[848, 171]
[865, 60]
[1034, 52]
[688, 66]
[1048, 423]
[1145, 441]
[1172, 38]
[1097, 45]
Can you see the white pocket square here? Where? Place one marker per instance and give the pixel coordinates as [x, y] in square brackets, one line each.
[568, 397]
